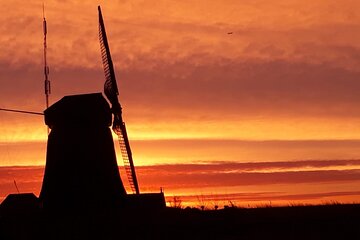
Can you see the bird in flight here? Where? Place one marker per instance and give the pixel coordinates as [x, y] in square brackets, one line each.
[230, 33]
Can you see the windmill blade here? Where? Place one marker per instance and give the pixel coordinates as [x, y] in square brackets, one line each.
[110, 86]
[111, 92]
[127, 159]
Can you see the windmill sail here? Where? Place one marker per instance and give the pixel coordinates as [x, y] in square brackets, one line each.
[111, 92]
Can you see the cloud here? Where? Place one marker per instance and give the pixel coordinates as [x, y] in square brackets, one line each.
[227, 87]
[201, 180]
[224, 88]
[288, 71]
[228, 167]
[221, 174]
[179, 59]
[14, 150]
[169, 30]
[224, 175]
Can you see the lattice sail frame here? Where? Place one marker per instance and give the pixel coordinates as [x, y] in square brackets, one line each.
[111, 92]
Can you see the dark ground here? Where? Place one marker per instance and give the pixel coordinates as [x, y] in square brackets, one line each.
[338, 221]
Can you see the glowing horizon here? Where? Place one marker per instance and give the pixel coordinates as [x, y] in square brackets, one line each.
[246, 189]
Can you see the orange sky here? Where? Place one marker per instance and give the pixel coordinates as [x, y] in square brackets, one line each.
[283, 87]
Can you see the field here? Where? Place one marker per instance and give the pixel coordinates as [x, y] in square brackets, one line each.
[334, 221]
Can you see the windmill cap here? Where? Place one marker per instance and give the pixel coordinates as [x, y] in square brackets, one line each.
[78, 111]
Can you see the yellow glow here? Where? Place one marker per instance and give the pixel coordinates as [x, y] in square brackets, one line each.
[23, 129]
[28, 130]
[249, 129]
[277, 170]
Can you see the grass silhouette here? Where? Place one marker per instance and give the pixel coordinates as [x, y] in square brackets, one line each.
[330, 221]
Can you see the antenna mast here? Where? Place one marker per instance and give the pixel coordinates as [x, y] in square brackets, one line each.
[46, 67]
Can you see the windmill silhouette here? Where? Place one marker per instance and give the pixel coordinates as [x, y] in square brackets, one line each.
[81, 170]
[81, 158]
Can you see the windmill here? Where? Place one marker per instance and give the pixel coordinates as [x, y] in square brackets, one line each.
[86, 156]
[111, 92]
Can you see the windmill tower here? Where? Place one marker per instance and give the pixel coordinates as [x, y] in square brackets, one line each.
[81, 170]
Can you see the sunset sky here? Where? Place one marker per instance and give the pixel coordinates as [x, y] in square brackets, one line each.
[240, 117]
